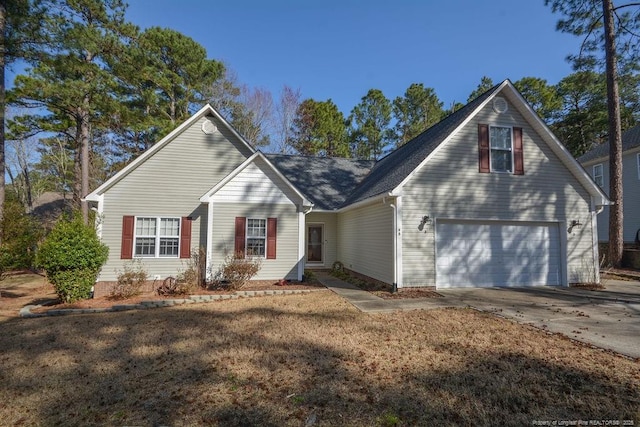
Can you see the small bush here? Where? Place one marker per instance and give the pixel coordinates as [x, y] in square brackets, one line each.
[72, 256]
[237, 270]
[130, 281]
[309, 276]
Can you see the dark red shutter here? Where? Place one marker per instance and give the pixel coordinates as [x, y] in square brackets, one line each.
[518, 152]
[241, 223]
[483, 148]
[185, 237]
[272, 234]
[126, 247]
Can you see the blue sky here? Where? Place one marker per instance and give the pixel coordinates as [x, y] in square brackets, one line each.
[340, 49]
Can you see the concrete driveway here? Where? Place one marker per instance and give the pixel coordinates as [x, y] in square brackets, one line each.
[608, 319]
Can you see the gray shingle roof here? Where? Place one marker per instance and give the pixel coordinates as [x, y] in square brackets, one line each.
[325, 181]
[630, 139]
[392, 169]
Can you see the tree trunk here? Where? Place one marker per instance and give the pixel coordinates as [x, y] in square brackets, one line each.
[616, 242]
[84, 159]
[3, 16]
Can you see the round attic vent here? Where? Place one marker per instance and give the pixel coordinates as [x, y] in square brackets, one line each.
[208, 127]
[500, 105]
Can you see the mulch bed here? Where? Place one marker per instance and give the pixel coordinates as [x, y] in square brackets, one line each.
[408, 293]
[107, 301]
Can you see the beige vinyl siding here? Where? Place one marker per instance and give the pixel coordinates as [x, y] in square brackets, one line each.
[329, 221]
[256, 183]
[630, 194]
[365, 241]
[170, 183]
[451, 187]
[223, 236]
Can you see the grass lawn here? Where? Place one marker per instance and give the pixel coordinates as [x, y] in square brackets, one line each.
[290, 360]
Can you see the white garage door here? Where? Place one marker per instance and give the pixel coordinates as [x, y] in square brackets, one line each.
[476, 254]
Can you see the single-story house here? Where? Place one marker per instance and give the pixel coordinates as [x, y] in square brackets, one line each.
[486, 197]
[596, 161]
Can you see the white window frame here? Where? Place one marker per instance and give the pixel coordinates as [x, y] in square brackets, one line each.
[157, 236]
[598, 177]
[491, 149]
[247, 237]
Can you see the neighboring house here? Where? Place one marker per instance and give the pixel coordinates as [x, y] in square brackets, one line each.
[486, 197]
[596, 162]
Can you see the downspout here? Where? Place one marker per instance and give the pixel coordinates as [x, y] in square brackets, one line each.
[395, 244]
[595, 210]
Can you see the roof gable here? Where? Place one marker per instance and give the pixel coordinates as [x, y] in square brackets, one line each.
[630, 140]
[393, 171]
[207, 110]
[254, 181]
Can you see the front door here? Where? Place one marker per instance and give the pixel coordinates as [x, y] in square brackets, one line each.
[314, 243]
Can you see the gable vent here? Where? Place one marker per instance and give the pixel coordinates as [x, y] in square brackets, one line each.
[208, 127]
[500, 105]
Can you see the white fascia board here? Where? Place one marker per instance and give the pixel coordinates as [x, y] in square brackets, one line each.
[365, 202]
[398, 189]
[207, 196]
[204, 111]
[560, 150]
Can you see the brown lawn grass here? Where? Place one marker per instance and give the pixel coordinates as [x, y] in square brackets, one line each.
[283, 360]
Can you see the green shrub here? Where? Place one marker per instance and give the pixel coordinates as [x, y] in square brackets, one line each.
[130, 280]
[73, 285]
[20, 234]
[72, 256]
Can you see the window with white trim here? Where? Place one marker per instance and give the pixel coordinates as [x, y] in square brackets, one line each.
[598, 176]
[157, 237]
[501, 146]
[256, 237]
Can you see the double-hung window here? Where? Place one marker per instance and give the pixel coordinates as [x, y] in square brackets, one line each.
[157, 237]
[500, 143]
[256, 237]
[598, 177]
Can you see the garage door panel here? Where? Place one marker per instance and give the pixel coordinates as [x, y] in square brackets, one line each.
[497, 254]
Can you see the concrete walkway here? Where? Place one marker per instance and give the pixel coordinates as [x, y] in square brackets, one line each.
[369, 303]
[606, 319]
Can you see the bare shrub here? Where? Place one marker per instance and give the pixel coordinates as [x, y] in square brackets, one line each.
[237, 270]
[186, 281]
[130, 281]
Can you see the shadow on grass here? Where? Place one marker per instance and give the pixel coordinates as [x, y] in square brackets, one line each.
[267, 365]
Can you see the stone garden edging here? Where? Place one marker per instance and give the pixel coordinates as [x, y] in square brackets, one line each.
[147, 304]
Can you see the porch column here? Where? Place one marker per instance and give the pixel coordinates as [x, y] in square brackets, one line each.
[208, 263]
[301, 233]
